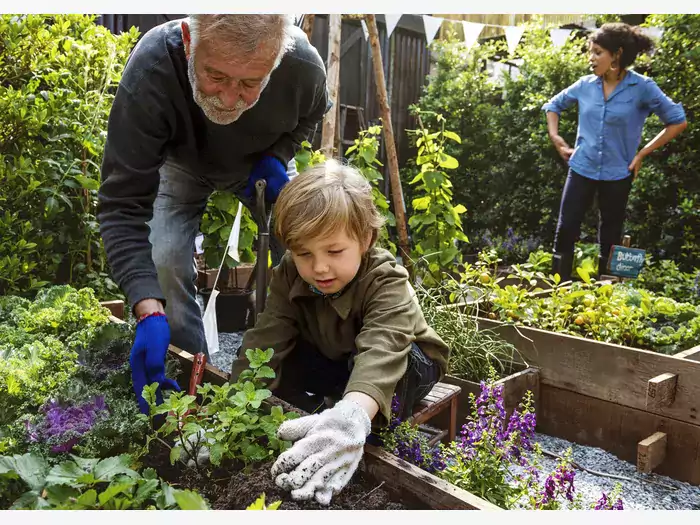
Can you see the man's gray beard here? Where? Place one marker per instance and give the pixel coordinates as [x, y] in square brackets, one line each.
[210, 104]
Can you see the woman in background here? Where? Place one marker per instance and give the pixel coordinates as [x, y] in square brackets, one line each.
[613, 105]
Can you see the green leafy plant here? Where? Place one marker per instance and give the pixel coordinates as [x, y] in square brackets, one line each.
[664, 277]
[230, 421]
[363, 155]
[59, 76]
[216, 225]
[82, 484]
[259, 504]
[436, 223]
[307, 156]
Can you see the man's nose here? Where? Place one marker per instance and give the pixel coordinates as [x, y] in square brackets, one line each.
[229, 97]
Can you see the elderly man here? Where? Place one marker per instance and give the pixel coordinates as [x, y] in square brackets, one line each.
[211, 102]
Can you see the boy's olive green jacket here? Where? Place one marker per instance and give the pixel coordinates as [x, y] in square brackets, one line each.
[376, 314]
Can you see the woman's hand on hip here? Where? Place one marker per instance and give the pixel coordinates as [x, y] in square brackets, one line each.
[635, 165]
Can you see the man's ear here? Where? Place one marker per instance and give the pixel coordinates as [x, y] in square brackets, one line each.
[186, 38]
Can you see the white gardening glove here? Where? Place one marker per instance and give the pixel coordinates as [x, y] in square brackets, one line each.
[203, 452]
[327, 451]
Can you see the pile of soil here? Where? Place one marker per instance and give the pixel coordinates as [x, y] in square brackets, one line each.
[358, 494]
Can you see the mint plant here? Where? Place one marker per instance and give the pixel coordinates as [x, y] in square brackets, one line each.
[230, 423]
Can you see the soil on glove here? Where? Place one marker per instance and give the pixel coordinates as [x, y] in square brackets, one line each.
[358, 494]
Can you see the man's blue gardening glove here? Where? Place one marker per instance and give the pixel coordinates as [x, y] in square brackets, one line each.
[147, 358]
[273, 171]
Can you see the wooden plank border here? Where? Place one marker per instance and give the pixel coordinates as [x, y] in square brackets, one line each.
[619, 430]
[605, 371]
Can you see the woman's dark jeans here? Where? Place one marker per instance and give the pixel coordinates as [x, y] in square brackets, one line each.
[577, 198]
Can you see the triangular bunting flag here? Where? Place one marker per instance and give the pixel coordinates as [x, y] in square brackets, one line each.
[391, 21]
[472, 31]
[513, 36]
[559, 36]
[653, 32]
[432, 25]
[365, 31]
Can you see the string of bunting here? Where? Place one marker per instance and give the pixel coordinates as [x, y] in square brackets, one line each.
[514, 34]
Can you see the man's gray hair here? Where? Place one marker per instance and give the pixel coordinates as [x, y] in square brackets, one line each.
[243, 35]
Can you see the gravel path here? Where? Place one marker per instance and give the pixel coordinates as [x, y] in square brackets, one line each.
[636, 495]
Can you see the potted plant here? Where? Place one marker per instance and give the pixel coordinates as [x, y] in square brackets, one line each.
[235, 301]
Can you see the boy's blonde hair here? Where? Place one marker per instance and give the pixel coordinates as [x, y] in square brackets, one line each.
[324, 199]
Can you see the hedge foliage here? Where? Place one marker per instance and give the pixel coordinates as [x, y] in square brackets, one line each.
[58, 75]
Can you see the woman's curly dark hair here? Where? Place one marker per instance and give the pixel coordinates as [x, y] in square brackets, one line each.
[616, 35]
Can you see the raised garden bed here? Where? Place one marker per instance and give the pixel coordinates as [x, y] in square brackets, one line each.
[410, 486]
[615, 398]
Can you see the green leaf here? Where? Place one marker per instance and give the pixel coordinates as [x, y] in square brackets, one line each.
[452, 136]
[88, 499]
[67, 473]
[459, 209]
[147, 489]
[32, 469]
[88, 183]
[114, 490]
[584, 275]
[59, 494]
[175, 454]
[166, 499]
[448, 256]
[433, 179]
[448, 162]
[188, 500]
[110, 467]
[265, 372]
[421, 203]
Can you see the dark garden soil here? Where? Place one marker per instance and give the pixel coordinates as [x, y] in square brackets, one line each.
[359, 494]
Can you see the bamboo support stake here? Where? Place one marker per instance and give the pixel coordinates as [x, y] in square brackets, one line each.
[308, 25]
[392, 159]
[333, 79]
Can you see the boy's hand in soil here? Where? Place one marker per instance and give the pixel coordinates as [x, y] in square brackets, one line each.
[327, 451]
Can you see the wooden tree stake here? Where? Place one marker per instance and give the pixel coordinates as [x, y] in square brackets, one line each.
[333, 79]
[392, 159]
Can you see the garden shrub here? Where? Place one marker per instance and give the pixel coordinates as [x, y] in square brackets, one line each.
[59, 74]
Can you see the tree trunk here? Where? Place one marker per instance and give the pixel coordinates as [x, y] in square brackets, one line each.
[333, 80]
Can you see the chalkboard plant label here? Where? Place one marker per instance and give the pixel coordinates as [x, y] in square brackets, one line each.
[626, 262]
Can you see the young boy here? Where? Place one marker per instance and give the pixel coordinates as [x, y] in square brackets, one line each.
[343, 324]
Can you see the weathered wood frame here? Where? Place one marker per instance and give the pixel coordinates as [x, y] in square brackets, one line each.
[615, 397]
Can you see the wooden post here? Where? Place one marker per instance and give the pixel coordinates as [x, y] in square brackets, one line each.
[333, 79]
[392, 159]
[651, 452]
[661, 391]
[308, 25]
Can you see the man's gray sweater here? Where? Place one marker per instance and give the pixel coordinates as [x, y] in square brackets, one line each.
[154, 118]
